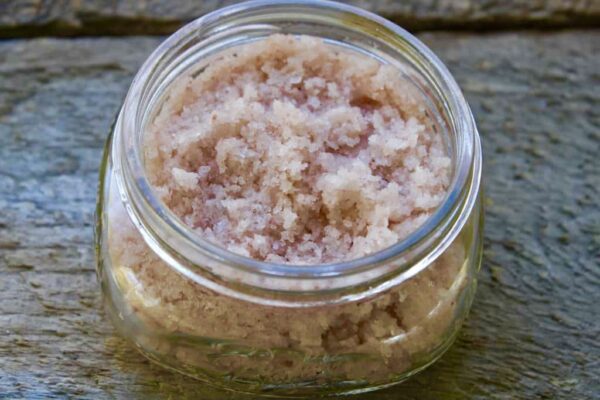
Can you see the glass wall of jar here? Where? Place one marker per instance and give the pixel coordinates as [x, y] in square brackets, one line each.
[290, 330]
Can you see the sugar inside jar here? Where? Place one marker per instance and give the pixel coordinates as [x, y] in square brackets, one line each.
[289, 204]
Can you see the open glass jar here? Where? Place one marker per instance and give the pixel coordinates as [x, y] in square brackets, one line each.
[275, 329]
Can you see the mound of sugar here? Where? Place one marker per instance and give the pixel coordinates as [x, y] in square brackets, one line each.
[294, 151]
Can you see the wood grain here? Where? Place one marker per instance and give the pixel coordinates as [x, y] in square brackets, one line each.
[534, 328]
[133, 17]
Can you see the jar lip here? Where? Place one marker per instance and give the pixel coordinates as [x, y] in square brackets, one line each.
[470, 156]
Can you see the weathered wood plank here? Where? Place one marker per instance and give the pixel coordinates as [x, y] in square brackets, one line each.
[534, 326]
[118, 17]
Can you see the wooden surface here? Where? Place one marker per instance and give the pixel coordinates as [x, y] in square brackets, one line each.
[534, 328]
[118, 17]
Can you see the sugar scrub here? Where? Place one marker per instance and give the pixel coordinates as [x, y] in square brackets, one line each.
[373, 340]
[290, 150]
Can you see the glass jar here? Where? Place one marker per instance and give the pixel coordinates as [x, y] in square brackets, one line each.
[287, 330]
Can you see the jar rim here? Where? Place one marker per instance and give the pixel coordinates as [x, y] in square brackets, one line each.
[452, 212]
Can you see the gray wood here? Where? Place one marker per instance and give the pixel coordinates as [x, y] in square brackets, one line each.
[118, 17]
[534, 328]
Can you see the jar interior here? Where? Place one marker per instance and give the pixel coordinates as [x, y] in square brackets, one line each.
[190, 50]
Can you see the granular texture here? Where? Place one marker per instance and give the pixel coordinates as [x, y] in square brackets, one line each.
[185, 324]
[290, 150]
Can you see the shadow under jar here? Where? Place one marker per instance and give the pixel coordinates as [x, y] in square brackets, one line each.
[279, 329]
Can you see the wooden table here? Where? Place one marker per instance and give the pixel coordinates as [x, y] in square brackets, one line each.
[534, 330]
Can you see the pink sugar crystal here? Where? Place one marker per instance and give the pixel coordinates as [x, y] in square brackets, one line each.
[294, 151]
